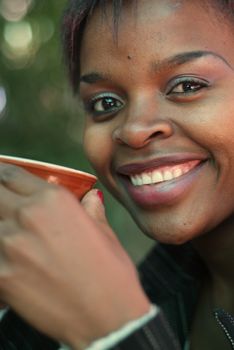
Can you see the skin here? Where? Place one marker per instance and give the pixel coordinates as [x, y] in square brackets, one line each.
[185, 124]
[41, 223]
[149, 122]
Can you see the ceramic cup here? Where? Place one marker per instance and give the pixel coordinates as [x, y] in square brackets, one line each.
[76, 181]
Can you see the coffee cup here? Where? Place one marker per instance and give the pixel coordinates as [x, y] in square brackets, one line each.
[78, 182]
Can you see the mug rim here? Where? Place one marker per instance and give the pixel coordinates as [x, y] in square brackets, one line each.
[32, 162]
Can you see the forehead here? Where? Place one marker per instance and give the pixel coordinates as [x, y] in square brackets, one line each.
[149, 29]
[134, 15]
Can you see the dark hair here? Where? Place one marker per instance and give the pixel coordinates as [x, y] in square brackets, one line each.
[74, 20]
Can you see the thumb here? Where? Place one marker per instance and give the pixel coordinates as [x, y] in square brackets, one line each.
[93, 203]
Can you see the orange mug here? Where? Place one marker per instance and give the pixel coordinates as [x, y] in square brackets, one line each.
[76, 181]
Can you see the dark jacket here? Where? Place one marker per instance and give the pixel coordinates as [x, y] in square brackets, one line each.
[171, 277]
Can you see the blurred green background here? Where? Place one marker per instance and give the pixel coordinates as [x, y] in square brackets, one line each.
[39, 116]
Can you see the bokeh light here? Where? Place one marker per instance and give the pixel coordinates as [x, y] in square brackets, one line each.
[19, 45]
[23, 39]
[14, 10]
[18, 35]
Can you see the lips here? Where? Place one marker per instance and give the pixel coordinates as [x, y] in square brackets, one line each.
[161, 180]
[157, 163]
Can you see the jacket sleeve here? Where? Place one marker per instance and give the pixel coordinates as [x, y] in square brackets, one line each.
[154, 335]
[149, 332]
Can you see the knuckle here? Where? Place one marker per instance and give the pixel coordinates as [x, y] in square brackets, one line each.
[9, 173]
[24, 211]
[7, 242]
[53, 193]
[10, 243]
[28, 214]
[15, 248]
[39, 207]
[50, 193]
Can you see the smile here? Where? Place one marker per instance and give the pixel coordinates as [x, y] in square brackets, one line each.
[162, 174]
[163, 180]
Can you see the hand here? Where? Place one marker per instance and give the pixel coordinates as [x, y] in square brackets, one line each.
[61, 266]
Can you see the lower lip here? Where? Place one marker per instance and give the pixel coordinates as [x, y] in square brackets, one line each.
[166, 192]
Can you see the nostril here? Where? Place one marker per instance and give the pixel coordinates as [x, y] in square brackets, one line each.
[156, 134]
[138, 134]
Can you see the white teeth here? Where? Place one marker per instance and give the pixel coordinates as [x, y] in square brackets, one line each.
[177, 172]
[157, 177]
[134, 180]
[166, 173]
[146, 179]
[139, 180]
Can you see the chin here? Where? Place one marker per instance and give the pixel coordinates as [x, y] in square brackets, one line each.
[167, 238]
[173, 234]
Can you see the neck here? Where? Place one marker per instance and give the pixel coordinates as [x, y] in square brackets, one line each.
[216, 249]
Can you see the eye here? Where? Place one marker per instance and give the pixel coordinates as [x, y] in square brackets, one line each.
[103, 104]
[186, 86]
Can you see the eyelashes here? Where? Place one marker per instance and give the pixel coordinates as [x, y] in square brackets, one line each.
[186, 85]
[106, 104]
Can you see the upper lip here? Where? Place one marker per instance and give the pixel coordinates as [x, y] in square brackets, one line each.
[166, 160]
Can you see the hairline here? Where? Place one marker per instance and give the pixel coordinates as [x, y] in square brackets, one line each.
[85, 8]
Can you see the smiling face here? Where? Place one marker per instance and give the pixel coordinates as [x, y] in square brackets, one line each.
[160, 114]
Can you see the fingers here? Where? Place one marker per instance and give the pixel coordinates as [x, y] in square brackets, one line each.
[16, 187]
[9, 202]
[93, 205]
[92, 202]
[9, 234]
[19, 180]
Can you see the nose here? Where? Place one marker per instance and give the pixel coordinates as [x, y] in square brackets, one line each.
[141, 126]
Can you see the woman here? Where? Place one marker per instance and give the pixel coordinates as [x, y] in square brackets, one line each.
[156, 79]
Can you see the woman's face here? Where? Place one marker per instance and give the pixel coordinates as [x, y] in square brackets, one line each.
[159, 101]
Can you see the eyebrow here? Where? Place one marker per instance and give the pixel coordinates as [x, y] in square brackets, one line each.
[94, 77]
[176, 60]
[186, 57]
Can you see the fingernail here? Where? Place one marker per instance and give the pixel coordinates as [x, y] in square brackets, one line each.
[101, 196]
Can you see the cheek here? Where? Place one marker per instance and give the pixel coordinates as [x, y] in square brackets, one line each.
[98, 147]
[211, 126]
